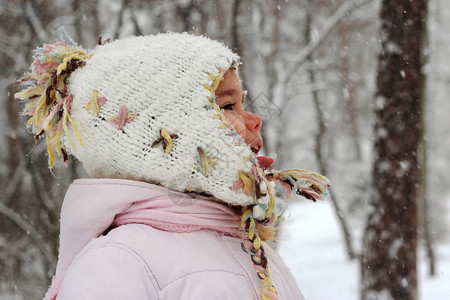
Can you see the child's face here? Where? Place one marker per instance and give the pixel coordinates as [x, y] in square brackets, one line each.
[229, 97]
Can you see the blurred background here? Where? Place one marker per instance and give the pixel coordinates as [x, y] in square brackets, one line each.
[310, 69]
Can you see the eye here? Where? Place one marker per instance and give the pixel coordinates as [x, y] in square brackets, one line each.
[228, 106]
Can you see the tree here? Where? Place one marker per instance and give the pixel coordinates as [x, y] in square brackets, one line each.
[319, 140]
[390, 240]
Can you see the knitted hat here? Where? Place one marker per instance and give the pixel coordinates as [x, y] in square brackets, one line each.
[144, 108]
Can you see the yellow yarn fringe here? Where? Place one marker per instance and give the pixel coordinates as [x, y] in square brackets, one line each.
[248, 184]
[48, 100]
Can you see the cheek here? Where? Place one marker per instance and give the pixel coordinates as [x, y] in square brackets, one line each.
[237, 122]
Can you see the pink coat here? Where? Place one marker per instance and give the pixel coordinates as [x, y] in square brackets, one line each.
[163, 245]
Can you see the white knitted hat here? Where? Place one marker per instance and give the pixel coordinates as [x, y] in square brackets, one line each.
[161, 81]
[144, 108]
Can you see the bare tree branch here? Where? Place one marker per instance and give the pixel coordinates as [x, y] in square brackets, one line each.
[34, 21]
[8, 52]
[318, 149]
[14, 182]
[41, 191]
[30, 231]
[11, 12]
[343, 10]
[78, 11]
[315, 87]
[137, 27]
[119, 24]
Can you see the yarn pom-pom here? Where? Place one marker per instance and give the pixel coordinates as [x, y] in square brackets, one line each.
[48, 100]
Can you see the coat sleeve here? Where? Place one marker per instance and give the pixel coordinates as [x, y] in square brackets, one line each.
[110, 272]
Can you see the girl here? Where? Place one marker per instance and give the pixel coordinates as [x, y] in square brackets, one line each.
[179, 203]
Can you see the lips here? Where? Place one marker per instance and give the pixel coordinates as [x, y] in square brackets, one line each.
[263, 161]
[256, 146]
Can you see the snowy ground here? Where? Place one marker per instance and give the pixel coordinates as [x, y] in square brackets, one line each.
[311, 246]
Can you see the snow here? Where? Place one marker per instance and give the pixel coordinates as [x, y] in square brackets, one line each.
[312, 247]
[396, 245]
[392, 47]
[380, 102]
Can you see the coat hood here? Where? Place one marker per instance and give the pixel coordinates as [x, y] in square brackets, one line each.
[91, 206]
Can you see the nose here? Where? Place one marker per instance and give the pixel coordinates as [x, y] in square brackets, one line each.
[253, 122]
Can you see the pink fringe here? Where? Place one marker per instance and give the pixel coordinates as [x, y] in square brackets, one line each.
[270, 294]
[40, 67]
[317, 179]
[259, 269]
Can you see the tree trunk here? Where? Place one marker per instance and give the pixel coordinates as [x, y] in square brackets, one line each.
[319, 139]
[349, 96]
[388, 265]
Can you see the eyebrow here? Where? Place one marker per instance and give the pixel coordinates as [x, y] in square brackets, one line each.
[230, 92]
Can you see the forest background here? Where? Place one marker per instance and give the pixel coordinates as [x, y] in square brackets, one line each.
[311, 70]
